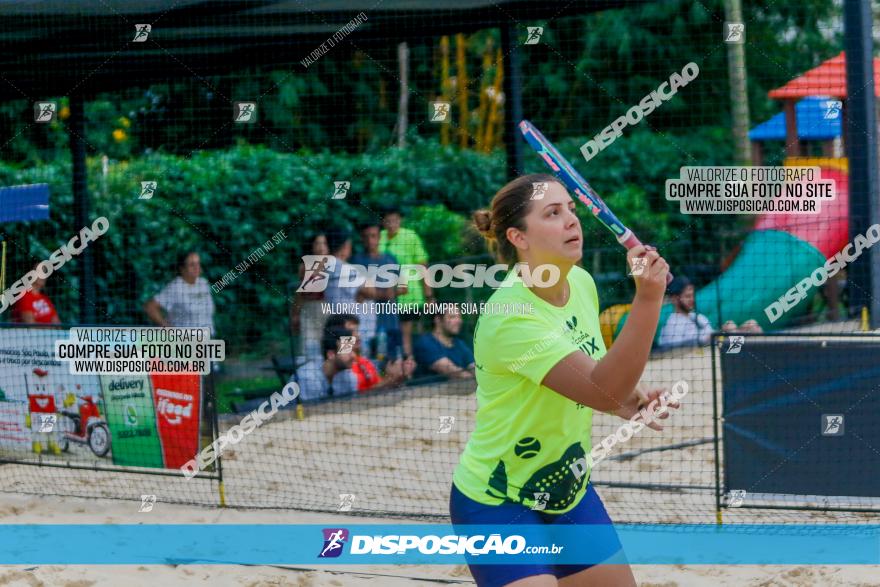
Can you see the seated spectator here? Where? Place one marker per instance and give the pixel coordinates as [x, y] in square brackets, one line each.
[337, 292]
[685, 327]
[35, 307]
[331, 375]
[441, 352]
[366, 371]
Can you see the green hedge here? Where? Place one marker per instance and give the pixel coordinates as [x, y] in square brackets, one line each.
[224, 204]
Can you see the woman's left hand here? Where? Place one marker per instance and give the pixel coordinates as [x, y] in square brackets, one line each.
[640, 398]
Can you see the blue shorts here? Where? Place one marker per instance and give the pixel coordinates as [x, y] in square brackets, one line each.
[590, 510]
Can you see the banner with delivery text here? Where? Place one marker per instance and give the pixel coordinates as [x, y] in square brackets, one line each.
[50, 413]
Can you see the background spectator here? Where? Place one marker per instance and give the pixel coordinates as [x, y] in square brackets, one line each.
[378, 327]
[35, 307]
[442, 352]
[330, 374]
[337, 291]
[306, 318]
[686, 327]
[407, 247]
[186, 301]
[366, 371]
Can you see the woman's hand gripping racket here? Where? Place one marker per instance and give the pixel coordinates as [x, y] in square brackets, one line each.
[577, 184]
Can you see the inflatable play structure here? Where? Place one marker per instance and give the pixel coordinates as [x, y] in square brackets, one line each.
[783, 248]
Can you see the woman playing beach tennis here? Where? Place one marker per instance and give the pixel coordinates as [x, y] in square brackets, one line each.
[540, 376]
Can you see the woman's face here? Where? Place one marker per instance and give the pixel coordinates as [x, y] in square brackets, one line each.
[192, 268]
[319, 245]
[553, 231]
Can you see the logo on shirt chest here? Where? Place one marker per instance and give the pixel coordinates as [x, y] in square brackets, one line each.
[584, 341]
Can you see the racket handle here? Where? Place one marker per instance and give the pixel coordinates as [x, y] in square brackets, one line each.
[629, 240]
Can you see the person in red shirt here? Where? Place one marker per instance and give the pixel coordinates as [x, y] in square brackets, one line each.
[35, 307]
[365, 370]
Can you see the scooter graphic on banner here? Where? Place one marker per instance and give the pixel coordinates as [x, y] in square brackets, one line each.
[89, 427]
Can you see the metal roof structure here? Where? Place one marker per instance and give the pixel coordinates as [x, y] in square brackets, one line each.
[55, 47]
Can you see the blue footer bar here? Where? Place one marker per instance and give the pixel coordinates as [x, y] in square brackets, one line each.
[36, 544]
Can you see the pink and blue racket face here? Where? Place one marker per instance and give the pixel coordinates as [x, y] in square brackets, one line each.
[577, 184]
[571, 178]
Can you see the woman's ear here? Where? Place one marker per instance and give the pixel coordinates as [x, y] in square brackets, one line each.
[517, 238]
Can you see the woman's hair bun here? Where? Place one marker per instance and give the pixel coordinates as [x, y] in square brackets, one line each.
[483, 223]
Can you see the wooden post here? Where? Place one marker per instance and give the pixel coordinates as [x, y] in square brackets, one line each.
[444, 85]
[403, 103]
[792, 143]
[482, 111]
[488, 140]
[757, 154]
[739, 97]
[461, 89]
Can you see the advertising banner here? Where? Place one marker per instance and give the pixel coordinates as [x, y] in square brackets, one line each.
[177, 412]
[132, 420]
[48, 413]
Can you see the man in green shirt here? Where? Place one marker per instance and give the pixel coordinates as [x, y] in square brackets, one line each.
[406, 245]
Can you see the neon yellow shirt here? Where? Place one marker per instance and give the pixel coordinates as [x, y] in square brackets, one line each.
[528, 438]
[408, 248]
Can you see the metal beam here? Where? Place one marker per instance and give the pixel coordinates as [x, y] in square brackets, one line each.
[513, 143]
[861, 147]
[86, 262]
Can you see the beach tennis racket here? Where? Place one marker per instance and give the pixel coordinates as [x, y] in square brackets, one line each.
[577, 184]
